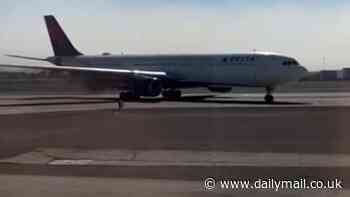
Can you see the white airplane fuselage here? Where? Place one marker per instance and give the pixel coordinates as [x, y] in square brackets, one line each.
[152, 75]
[251, 69]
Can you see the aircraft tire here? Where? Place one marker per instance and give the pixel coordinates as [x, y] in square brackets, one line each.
[269, 99]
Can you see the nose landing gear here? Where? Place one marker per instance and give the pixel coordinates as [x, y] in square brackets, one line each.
[269, 99]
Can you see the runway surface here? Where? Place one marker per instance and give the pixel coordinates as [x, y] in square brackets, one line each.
[52, 103]
[77, 186]
[156, 144]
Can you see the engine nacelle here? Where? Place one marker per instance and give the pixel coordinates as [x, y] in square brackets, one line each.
[220, 89]
[148, 87]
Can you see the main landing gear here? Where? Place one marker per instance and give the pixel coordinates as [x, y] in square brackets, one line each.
[125, 96]
[269, 99]
[171, 94]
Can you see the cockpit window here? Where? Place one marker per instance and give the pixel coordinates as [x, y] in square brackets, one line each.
[290, 63]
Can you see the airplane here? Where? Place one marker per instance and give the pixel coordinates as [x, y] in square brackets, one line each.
[166, 75]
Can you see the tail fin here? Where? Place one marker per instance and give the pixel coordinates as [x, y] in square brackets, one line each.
[60, 42]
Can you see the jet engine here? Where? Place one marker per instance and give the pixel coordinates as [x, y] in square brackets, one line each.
[148, 86]
[220, 89]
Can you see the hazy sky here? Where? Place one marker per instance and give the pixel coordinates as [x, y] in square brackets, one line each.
[307, 30]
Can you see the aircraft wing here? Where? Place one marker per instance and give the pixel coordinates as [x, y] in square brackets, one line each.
[120, 72]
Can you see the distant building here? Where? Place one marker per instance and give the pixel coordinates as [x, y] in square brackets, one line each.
[346, 74]
[312, 76]
[329, 75]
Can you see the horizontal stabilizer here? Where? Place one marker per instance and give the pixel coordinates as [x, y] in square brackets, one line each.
[26, 57]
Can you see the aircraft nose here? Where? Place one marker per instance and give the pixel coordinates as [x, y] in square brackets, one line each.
[302, 71]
